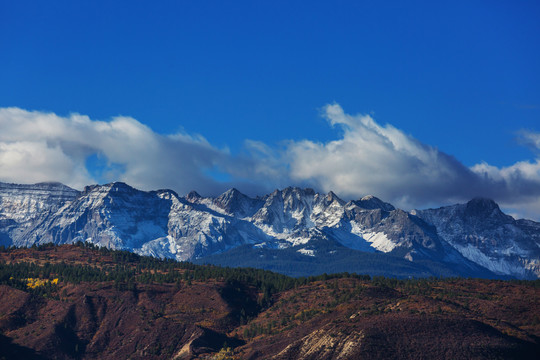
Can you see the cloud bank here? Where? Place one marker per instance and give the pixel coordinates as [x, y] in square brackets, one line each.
[382, 160]
[36, 146]
[367, 158]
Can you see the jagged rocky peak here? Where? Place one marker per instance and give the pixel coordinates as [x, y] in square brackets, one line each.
[295, 198]
[114, 187]
[293, 192]
[370, 202]
[485, 208]
[332, 197]
[101, 191]
[90, 188]
[193, 196]
[159, 223]
[165, 193]
[117, 194]
[231, 195]
[285, 207]
[236, 203]
[279, 196]
[120, 187]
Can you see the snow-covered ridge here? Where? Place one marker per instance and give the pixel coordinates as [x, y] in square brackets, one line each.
[482, 233]
[21, 202]
[161, 223]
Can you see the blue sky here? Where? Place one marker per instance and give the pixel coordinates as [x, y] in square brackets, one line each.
[252, 81]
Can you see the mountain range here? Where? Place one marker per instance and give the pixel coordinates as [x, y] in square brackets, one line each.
[294, 231]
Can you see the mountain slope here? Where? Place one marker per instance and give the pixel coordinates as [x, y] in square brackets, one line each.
[474, 239]
[23, 206]
[84, 302]
[481, 232]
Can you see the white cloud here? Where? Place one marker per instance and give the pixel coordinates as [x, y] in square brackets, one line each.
[37, 146]
[36, 161]
[379, 160]
[384, 161]
[516, 187]
[529, 138]
[367, 158]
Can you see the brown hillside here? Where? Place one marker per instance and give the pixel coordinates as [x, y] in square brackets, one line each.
[114, 305]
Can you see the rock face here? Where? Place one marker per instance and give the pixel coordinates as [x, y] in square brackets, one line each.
[22, 207]
[322, 344]
[482, 233]
[23, 202]
[472, 237]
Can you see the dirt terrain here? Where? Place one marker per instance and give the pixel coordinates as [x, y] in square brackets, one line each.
[112, 305]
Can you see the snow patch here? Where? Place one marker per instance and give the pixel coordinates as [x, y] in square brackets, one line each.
[498, 266]
[379, 241]
[307, 252]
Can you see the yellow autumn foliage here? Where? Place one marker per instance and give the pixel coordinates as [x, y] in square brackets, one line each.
[224, 354]
[33, 283]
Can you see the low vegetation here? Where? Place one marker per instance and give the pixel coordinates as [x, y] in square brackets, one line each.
[80, 301]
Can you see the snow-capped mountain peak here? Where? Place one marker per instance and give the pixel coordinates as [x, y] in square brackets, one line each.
[482, 208]
[235, 203]
[474, 236]
[371, 202]
[482, 233]
[193, 196]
